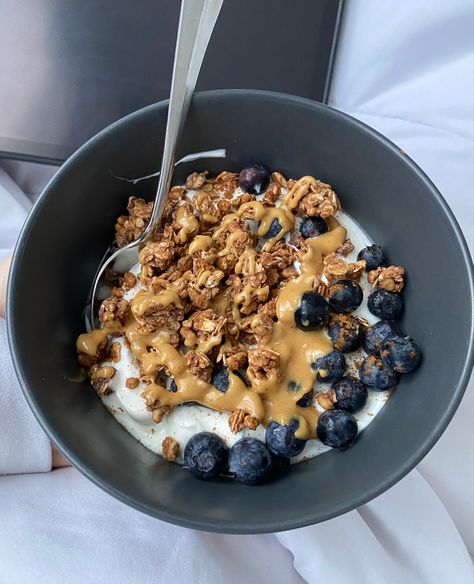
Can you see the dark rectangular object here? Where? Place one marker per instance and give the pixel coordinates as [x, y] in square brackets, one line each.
[68, 69]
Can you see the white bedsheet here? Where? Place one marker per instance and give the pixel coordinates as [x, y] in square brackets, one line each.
[404, 68]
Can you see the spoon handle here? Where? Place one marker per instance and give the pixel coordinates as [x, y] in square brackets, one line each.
[196, 23]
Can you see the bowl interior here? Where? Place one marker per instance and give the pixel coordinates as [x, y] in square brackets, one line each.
[72, 225]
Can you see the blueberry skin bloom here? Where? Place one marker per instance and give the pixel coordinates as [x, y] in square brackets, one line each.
[351, 394]
[281, 439]
[401, 354]
[313, 226]
[376, 375]
[345, 296]
[373, 257]
[312, 313]
[331, 367]
[250, 461]
[374, 335]
[254, 179]
[337, 428]
[385, 305]
[205, 455]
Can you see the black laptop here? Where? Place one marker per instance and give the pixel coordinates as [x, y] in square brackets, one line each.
[70, 68]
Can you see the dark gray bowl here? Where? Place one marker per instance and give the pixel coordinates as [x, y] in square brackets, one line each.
[72, 224]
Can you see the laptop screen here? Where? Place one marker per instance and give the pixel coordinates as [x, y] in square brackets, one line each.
[68, 69]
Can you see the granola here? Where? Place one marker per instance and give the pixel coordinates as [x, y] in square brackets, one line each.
[390, 278]
[170, 448]
[240, 419]
[207, 318]
[337, 268]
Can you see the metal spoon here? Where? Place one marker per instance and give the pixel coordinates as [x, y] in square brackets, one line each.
[196, 23]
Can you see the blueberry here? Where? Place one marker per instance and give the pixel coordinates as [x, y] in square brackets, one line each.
[351, 394]
[374, 335]
[336, 428]
[306, 400]
[281, 439]
[345, 333]
[401, 354]
[254, 179]
[274, 230]
[313, 226]
[373, 257]
[345, 296]
[220, 379]
[312, 313]
[250, 461]
[384, 304]
[375, 375]
[331, 367]
[205, 455]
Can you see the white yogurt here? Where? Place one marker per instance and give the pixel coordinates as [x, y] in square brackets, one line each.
[128, 407]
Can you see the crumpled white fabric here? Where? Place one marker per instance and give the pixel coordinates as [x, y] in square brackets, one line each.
[405, 69]
[57, 527]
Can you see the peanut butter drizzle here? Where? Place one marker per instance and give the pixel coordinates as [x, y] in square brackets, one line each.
[89, 343]
[144, 299]
[156, 352]
[268, 399]
[311, 269]
[187, 221]
[199, 243]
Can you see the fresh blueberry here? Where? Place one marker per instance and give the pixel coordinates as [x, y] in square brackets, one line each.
[337, 428]
[306, 400]
[313, 226]
[331, 367]
[220, 379]
[274, 230]
[374, 335]
[281, 439]
[384, 304]
[373, 257]
[376, 375]
[312, 313]
[205, 455]
[345, 333]
[345, 296]
[250, 461]
[254, 179]
[401, 354]
[351, 394]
